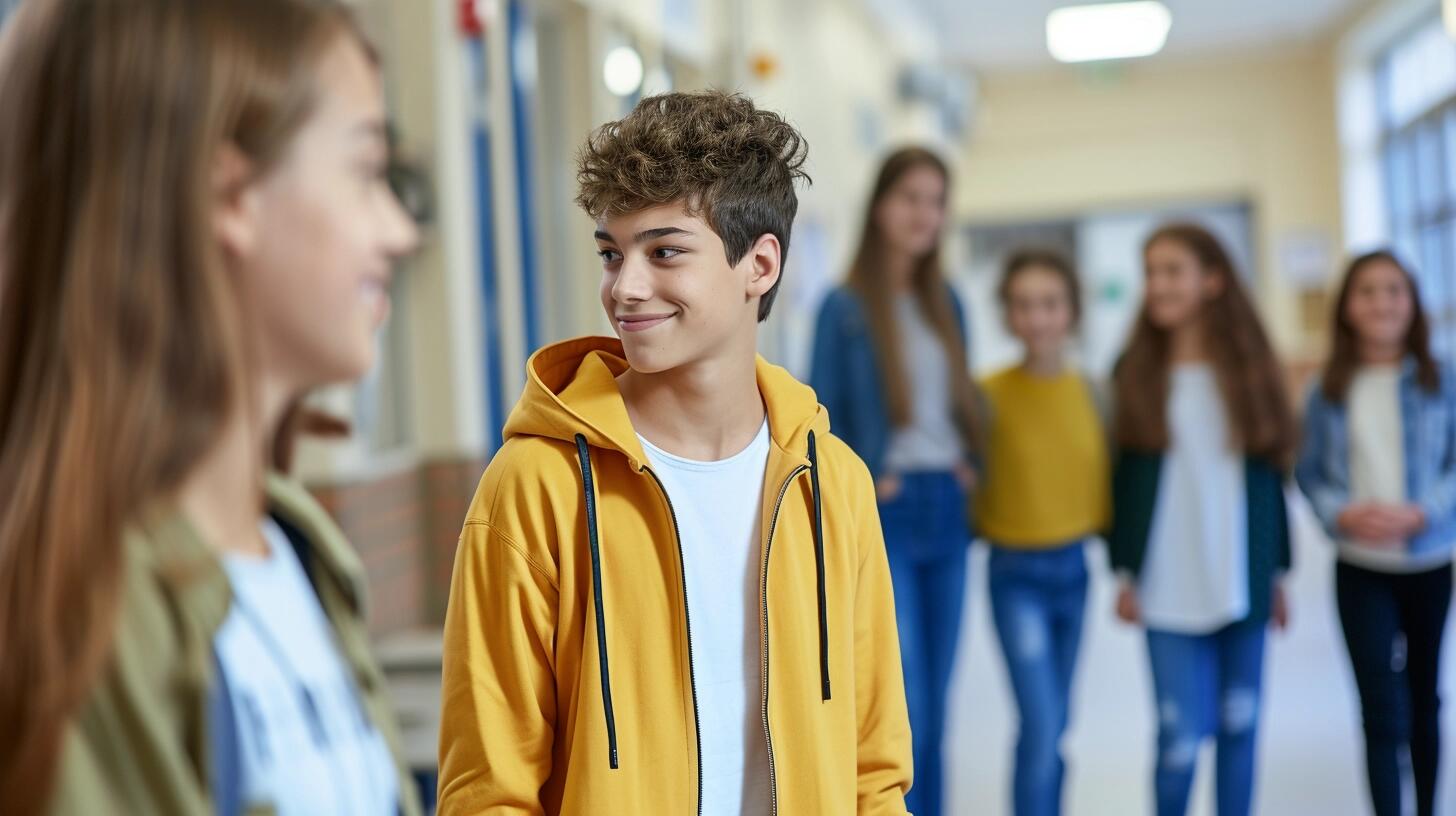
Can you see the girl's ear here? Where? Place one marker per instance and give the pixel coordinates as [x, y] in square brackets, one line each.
[235, 202]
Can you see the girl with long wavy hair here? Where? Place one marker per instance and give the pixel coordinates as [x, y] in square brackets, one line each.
[1200, 537]
[1378, 464]
[195, 231]
[890, 366]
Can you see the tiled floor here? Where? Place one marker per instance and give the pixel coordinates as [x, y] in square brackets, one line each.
[1311, 762]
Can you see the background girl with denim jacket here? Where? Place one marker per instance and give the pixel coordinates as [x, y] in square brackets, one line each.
[1044, 493]
[889, 364]
[1204, 434]
[1378, 464]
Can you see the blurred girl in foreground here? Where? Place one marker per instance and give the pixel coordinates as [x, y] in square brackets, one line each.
[195, 231]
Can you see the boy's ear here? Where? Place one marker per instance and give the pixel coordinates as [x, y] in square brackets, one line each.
[764, 261]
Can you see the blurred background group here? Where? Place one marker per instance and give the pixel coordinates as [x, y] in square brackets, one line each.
[1297, 131]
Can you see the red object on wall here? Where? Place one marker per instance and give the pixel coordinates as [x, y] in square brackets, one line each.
[469, 19]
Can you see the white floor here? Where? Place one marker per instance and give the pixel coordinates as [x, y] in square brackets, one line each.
[1310, 754]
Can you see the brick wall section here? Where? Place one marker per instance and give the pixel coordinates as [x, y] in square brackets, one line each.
[449, 486]
[381, 518]
[404, 527]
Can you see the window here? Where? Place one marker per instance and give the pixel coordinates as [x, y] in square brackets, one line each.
[1416, 82]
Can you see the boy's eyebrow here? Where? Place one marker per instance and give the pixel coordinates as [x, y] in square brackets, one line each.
[645, 235]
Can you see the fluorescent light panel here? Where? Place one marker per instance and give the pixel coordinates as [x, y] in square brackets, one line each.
[1108, 31]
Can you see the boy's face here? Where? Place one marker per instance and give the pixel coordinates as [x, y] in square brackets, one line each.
[670, 293]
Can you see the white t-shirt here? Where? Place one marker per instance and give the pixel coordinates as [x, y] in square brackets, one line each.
[1377, 458]
[718, 513]
[1195, 577]
[930, 441]
[306, 744]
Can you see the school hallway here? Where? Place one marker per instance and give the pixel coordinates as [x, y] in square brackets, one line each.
[1310, 758]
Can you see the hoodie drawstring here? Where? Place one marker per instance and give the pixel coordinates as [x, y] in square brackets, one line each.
[596, 566]
[819, 562]
[589, 494]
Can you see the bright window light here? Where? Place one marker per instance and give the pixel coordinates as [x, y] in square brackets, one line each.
[623, 70]
[1108, 31]
[1448, 12]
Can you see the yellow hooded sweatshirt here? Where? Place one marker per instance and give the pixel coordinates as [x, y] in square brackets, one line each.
[568, 678]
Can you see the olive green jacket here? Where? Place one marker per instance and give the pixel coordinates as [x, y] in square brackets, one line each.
[141, 744]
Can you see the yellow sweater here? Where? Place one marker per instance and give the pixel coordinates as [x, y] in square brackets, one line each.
[1047, 467]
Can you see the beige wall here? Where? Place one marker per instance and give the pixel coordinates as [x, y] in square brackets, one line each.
[1259, 128]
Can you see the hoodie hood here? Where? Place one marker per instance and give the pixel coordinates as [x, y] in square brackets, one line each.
[571, 390]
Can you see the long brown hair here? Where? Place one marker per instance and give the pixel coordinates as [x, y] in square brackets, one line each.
[120, 356]
[1345, 342]
[867, 279]
[1248, 372]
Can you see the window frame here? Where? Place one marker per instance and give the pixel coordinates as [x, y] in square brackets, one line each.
[1418, 166]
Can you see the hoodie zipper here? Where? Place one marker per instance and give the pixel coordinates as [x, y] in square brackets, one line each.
[688, 620]
[773, 785]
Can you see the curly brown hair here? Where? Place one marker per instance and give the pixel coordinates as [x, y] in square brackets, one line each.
[728, 162]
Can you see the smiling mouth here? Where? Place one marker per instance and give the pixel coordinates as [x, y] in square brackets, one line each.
[639, 323]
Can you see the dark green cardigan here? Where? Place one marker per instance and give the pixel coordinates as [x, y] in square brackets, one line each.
[1135, 480]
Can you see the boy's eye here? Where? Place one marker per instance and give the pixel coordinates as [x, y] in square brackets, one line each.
[608, 255]
[666, 252]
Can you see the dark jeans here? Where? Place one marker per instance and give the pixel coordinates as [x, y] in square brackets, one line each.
[926, 539]
[1207, 686]
[1038, 598]
[1393, 626]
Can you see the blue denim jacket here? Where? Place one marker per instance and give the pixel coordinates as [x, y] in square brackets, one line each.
[1428, 426]
[845, 375]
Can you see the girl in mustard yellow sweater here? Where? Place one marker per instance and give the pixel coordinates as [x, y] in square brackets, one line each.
[1045, 493]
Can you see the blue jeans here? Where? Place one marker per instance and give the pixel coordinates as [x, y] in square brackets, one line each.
[926, 539]
[1037, 599]
[1207, 685]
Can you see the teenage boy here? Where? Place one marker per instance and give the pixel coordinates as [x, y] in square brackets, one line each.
[671, 593]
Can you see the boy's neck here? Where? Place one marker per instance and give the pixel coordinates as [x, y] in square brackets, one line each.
[705, 411]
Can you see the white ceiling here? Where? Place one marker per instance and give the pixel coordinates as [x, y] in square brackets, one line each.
[992, 35]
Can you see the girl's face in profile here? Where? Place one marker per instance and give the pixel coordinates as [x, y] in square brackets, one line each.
[315, 240]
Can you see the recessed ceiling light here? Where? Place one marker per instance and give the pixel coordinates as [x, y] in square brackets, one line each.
[622, 70]
[1108, 31]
